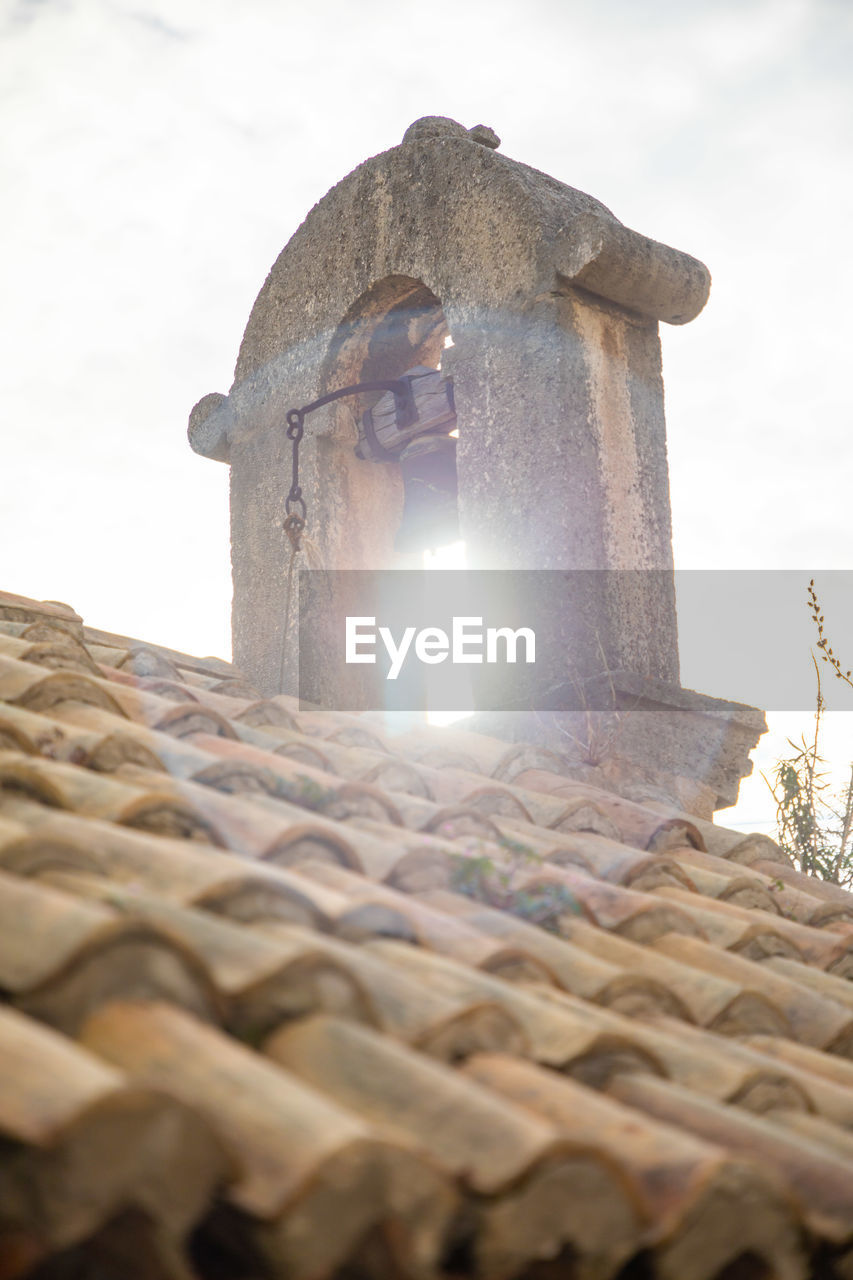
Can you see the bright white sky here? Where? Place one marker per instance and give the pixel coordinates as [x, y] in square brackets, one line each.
[157, 154]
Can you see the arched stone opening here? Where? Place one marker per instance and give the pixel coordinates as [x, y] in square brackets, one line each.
[395, 325]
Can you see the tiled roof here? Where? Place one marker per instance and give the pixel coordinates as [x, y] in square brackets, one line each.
[287, 996]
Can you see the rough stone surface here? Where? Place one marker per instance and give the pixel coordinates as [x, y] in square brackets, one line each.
[434, 127]
[553, 308]
[207, 430]
[484, 135]
[676, 733]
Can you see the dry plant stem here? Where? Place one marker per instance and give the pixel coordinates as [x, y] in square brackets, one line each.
[813, 830]
[827, 654]
[812, 775]
[847, 823]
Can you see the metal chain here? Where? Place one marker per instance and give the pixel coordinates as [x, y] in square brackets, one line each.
[295, 431]
[294, 506]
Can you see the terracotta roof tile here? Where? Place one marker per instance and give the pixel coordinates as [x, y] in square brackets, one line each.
[754, 932]
[431, 928]
[814, 1020]
[693, 1196]
[557, 1035]
[56, 650]
[569, 966]
[627, 911]
[830, 985]
[21, 610]
[48, 1080]
[443, 1023]
[25, 685]
[818, 1177]
[346, 1003]
[748, 886]
[747, 1072]
[259, 980]
[314, 1178]
[83, 1144]
[607, 859]
[820, 947]
[89, 953]
[146, 800]
[537, 1192]
[37, 841]
[711, 1000]
[637, 825]
[355, 764]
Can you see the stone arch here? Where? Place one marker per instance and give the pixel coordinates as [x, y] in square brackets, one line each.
[553, 306]
[395, 324]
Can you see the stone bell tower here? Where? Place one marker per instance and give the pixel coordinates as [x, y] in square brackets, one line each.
[552, 308]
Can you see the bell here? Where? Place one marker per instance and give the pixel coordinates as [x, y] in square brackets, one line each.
[430, 516]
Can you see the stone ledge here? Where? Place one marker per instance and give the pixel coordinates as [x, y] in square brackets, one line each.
[654, 738]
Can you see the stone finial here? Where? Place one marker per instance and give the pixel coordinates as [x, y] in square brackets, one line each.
[443, 127]
[434, 127]
[485, 136]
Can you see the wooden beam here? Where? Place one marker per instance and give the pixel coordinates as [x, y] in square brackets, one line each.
[379, 434]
